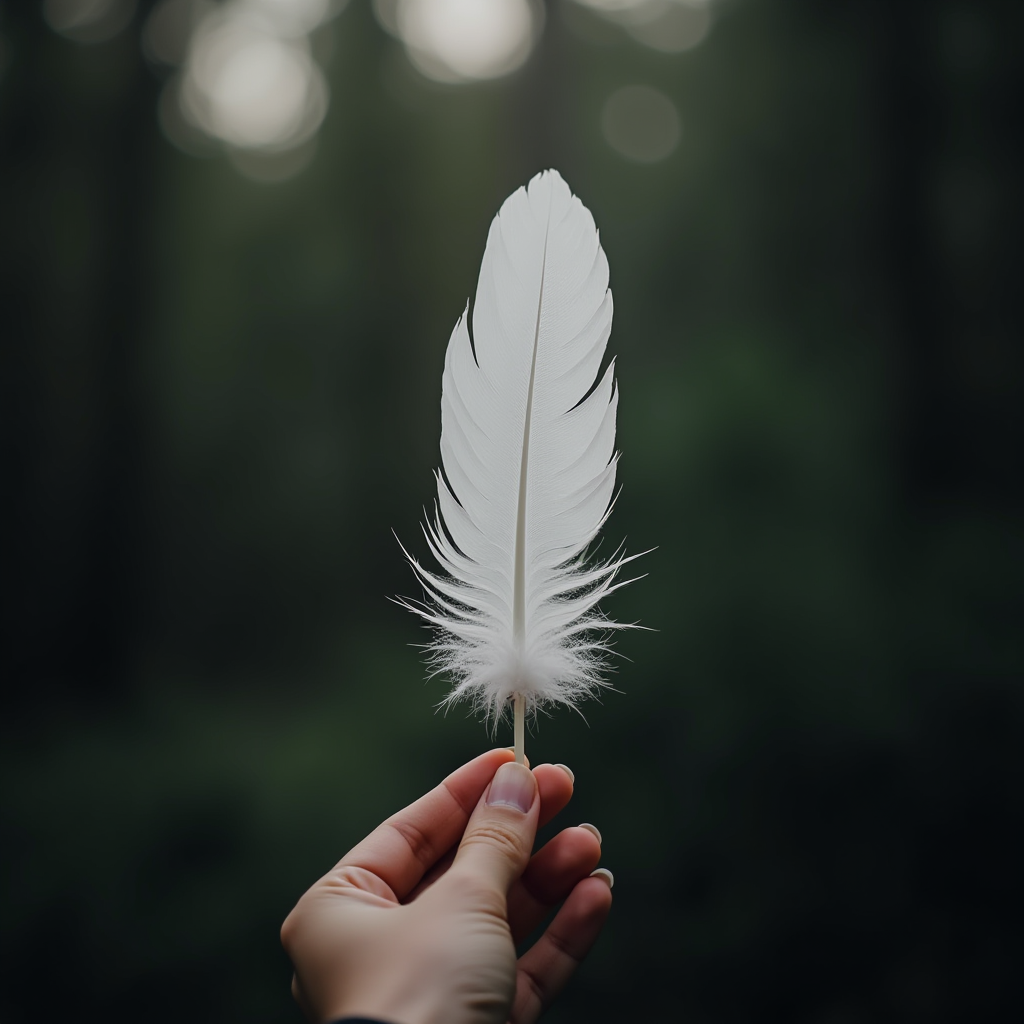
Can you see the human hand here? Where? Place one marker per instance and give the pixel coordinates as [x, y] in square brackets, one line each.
[418, 924]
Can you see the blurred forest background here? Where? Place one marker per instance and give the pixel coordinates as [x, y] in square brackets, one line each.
[234, 239]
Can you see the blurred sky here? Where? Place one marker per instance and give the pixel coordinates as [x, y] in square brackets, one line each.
[234, 239]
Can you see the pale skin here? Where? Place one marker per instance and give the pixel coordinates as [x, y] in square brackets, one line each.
[419, 923]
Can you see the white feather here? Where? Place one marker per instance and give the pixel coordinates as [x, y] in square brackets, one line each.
[527, 447]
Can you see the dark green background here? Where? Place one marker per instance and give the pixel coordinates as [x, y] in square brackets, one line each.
[221, 397]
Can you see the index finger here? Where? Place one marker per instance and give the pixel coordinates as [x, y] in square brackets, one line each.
[403, 848]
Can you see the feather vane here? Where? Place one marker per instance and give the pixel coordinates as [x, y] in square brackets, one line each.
[529, 462]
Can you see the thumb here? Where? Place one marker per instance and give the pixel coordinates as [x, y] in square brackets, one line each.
[499, 838]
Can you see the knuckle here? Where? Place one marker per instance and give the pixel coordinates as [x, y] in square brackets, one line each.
[416, 839]
[562, 946]
[496, 835]
[345, 878]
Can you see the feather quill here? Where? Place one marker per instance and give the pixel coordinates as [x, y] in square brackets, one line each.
[528, 457]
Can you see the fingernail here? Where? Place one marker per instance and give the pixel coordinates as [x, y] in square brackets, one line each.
[593, 829]
[605, 875]
[568, 771]
[513, 786]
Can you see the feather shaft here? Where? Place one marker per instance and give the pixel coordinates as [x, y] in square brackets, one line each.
[519, 728]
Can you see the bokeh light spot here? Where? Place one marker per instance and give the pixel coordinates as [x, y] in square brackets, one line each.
[250, 88]
[641, 124]
[463, 40]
